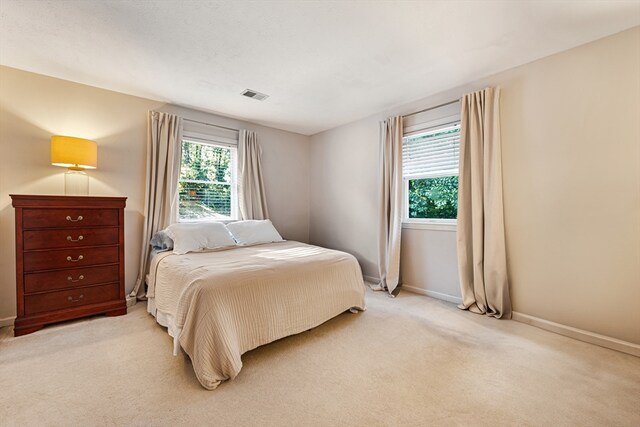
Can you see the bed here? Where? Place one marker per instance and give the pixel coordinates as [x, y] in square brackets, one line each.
[222, 303]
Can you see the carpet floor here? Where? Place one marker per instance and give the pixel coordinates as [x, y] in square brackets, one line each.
[408, 361]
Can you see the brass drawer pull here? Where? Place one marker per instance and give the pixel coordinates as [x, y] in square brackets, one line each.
[71, 279]
[80, 237]
[75, 300]
[74, 220]
[80, 257]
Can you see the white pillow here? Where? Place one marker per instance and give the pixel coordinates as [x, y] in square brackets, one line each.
[191, 237]
[254, 232]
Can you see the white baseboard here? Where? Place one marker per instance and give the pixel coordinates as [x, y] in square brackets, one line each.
[578, 334]
[7, 321]
[433, 294]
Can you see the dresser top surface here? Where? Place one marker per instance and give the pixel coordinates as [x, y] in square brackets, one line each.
[53, 201]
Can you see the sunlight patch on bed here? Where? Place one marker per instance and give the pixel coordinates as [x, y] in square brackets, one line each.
[284, 254]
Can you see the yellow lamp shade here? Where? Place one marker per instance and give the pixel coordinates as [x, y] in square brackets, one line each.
[74, 153]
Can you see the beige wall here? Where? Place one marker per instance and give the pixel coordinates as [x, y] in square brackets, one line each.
[34, 107]
[571, 159]
[343, 187]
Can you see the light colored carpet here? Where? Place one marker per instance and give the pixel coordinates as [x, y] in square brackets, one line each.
[408, 361]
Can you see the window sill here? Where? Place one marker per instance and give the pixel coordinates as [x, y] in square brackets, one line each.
[206, 220]
[430, 225]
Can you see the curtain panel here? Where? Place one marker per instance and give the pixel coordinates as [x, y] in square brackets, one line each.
[482, 260]
[164, 152]
[390, 207]
[252, 199]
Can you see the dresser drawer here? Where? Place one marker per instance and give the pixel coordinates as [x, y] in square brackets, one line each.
[68, 217]
[70, 298]
[61, 279]
[70, 258]
[70, 238]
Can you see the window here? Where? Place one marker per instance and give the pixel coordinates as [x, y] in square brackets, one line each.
[430, 171]
[207, 183]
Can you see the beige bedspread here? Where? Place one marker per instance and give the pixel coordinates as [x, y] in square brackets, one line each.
[225, 303]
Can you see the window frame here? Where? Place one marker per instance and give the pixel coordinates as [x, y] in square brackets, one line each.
[438, 224]
[221, 142]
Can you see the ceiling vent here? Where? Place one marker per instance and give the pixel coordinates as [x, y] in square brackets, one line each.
[255, 94]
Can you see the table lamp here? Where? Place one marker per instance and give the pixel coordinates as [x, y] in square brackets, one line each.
[77, 154]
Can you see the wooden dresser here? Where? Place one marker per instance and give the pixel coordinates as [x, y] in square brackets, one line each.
[69, 258]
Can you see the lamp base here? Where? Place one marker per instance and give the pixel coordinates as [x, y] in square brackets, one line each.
[76, 183]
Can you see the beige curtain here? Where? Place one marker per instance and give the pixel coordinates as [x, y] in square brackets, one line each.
[253, 202]
[390, 226]
[482, 257]
[164, 152]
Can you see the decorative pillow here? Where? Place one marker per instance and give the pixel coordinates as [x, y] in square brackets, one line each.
[254, 232]
[161, 241]
[193, 237]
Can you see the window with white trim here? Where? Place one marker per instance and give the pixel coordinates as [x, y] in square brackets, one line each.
[207, 188]
[431, 154]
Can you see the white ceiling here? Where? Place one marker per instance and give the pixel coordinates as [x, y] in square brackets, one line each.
[322, 63]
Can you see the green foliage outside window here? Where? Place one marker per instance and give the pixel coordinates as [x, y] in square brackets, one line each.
[205, 183]
[433, 197]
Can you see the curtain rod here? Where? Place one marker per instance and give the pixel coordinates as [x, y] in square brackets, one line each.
[433, 108]
[211, 124]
